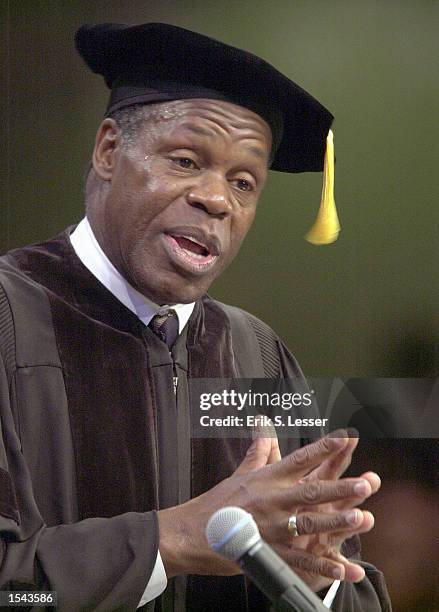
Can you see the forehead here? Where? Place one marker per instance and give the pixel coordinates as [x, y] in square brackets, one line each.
[209, 118]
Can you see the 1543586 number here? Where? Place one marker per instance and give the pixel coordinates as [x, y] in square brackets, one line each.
[20, 598]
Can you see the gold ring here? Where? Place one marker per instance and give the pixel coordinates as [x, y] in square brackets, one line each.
[292, 526]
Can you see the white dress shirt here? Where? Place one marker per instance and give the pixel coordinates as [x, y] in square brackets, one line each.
[94, 259]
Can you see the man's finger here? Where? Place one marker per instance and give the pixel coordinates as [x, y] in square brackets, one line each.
[353, 572]
[337, 522]
[257, 455]
[304, 459]
[335, 466]
[266, 429]
[335, 540]
[345, 504]
[275, 455]
[314, 493]
[320, 566]
[373, 479]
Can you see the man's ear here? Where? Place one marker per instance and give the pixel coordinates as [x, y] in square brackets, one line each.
[106, 149]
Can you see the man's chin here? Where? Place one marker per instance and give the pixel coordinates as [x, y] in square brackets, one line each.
[174, 293]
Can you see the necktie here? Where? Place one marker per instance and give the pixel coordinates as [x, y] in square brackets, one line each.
[165, 326]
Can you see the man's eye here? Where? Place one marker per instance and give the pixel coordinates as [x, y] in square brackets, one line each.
[244, 185]
[185, 162]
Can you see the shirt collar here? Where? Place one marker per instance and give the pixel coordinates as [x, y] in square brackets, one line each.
[94, 259]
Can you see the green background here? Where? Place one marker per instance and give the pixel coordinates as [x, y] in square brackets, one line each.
[363, 306]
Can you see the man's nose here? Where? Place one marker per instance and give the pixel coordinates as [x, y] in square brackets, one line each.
[210, 194]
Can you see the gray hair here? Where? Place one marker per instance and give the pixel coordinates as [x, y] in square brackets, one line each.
[131, 119]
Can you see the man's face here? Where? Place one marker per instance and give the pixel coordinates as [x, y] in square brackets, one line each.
[182, 198]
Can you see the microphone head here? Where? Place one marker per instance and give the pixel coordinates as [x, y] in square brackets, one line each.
[231, 532]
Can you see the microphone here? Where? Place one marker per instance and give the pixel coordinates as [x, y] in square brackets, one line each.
[233, 533]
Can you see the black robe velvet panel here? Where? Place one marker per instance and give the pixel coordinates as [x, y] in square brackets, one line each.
[94, 439]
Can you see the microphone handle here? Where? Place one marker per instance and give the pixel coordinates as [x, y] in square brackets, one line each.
[277, 581]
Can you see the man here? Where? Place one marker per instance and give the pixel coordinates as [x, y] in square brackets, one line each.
[104, 494]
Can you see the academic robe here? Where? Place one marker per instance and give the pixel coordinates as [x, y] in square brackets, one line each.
[94, 439]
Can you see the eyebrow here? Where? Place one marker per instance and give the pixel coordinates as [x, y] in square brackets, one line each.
[258, 152]
[205, 132]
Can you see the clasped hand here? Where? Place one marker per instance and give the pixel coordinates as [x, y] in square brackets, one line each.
[306, 483]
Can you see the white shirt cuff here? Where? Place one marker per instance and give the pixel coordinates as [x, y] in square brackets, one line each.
[330, 595]
[157, 583]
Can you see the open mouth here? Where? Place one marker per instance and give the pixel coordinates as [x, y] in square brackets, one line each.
[191, 247]
[193, 253]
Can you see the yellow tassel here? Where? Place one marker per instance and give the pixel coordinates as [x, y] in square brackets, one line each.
[326, 227]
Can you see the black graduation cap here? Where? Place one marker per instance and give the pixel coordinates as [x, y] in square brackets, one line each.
[157, 62]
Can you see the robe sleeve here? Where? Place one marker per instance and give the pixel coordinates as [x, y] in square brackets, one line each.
[369, 595]
[100, 564]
